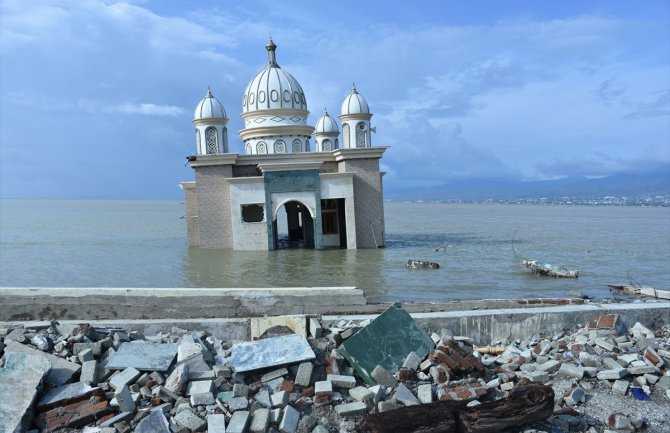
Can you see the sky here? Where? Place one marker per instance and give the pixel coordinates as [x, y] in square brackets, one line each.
[97, 96]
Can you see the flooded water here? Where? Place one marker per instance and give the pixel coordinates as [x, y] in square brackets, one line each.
[143, 244]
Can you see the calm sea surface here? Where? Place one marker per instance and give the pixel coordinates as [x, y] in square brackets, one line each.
[143, 244]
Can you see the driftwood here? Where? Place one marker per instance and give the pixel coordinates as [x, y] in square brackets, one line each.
[418, 264]
[525, 404]
[644, 291]
[548, 270]
[491, 350]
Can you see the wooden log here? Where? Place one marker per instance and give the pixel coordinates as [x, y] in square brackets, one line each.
[524, 405]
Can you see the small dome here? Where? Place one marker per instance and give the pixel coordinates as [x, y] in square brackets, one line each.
[355, 104]
[209, 108]
[326, 124]
[273, 88]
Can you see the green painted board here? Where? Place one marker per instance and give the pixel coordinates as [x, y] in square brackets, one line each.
[386, 341]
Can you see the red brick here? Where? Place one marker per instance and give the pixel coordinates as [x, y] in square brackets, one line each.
[406, 374]
[55, 423]
[607, 321]
[651, 355]
[319, 399]
[287, 385]
[308, 392]
[331, 365]
[98, 407]
[464, 394]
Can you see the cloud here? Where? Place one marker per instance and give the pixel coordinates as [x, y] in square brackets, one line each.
[657, 107]
[146, 109]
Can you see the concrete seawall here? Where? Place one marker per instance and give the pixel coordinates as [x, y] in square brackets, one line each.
[228, 312]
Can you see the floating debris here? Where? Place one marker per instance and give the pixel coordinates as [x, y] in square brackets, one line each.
[549, 270]
[644, 291]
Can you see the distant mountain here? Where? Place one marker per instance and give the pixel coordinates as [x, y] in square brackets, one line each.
[619, 185]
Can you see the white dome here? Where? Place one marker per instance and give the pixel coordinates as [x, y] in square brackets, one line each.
[209, 108]
[355, 104]
[326, 124]
[273, 88]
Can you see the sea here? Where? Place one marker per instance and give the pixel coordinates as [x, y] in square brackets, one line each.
[478, 247]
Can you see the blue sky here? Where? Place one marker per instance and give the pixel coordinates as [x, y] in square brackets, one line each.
[97, 97]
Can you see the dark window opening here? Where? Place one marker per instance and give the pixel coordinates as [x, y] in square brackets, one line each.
[252, 213]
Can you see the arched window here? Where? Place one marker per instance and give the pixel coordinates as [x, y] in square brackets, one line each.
[345, 135]
[361, 135]
[337, 143]
[224, 139]
[247, 149]
[326, 145]
[306, 145]
[261, 148]
[211, 140]
[280, 146]
[297, 146]
[197, 141]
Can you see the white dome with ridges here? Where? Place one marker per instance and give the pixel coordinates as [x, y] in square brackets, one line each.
[355, 104]
[209, 108]
[326, 124]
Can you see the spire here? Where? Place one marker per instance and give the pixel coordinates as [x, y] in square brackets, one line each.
[209, 93]
[353, 88]
[271, 47]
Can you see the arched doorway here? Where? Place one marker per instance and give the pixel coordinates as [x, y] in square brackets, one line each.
[293, 226]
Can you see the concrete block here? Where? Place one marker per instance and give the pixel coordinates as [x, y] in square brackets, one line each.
[263, 397]
[189, 420]
[613, 374]
[351, 409]
[274, 374]
[538, 376]
[202, 399]
[60, 394]
[176, 381]
[611, 364]
[388, 405]
[425, 393]
[379, 393]
[125, 399]
[637, 371]
[550, 366]
[260, 421]
[201, 375]
[20, 382]
[199, 387]
[240, 390]
[304, 375]
[279, 399]
[86, 355]
[382, 376]
[405, 396]
[570, 370]
[412, 361]
[216, 423]
[123, 416]
[96, 348]
[289, 420]
[341, 381]
[238, 422]
[124, 378]
[315, 328]
[620, 387]
[361, 393]
[238, 403]
[89, 372]
[323, 387]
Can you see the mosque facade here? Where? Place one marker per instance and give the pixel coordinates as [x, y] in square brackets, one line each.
[295, 185]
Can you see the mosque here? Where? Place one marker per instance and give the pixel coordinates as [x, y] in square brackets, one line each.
[285, 190]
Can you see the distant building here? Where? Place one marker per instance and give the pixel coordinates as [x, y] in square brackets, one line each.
[330, 190]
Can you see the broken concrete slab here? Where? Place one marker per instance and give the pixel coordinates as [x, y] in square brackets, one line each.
[258, 325]
[20, 382]
[386, 341]
[143, 356]
[61, 370]
[155, 422]
[270, 352]
[64, 393]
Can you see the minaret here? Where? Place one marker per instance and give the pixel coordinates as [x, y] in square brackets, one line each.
[211, 133]
[326, 133]
[355, 117]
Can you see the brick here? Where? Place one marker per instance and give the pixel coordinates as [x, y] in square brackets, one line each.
[361, 393]
[260, 421]
[425, 393]
[123, 378]
[238, 422]
[124, 399]
[303, 376]
[323, 387]
[412, 361]
[289, 420]
[383, 377]
[351, 409]
[189, 420]
[341, 381]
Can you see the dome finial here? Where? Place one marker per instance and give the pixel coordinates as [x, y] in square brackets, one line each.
[209, 92]
[353, 88]
[271, 47]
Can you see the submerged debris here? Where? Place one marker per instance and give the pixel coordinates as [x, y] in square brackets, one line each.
[644, 291]
[548, 270]
[419, 264]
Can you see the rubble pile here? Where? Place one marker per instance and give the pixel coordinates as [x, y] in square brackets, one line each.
[109, 380]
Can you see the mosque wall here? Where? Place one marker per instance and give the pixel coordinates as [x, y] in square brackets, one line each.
[213, 200]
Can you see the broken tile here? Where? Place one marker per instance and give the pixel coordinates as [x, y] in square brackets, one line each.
[270, 352]
[143, 356]
[63, 393]
[386, 341]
